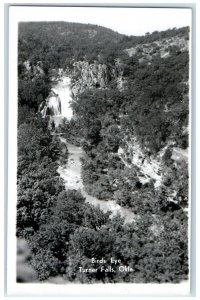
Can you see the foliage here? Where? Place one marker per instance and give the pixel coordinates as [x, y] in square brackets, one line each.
[33, 92]
[57, 43]
[38, 181]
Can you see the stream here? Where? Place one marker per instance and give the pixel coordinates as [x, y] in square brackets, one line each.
[71, 174]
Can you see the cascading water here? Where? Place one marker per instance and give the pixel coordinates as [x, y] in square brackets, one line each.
[62, 89]
[53, 105]
[58, 101]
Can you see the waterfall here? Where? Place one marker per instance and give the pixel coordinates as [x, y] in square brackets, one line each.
[58, 101]
[62, 89]
[54, 105]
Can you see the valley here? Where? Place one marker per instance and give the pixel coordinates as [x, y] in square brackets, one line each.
[103, 143]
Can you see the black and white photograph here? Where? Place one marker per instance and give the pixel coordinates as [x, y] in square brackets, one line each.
[103, 110]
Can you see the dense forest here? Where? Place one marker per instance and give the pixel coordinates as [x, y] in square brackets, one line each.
[142, 112]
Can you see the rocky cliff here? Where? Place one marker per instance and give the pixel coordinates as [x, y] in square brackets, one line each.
[161, 47]
[85, 75]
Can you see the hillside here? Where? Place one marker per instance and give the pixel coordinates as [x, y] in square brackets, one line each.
[57, 43]
[130, 103]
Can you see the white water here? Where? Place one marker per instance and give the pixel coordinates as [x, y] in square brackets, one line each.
[55, 105]
[71, 174]
[62, 88]
[58, 102]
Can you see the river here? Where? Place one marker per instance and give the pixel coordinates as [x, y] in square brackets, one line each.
[71, 174]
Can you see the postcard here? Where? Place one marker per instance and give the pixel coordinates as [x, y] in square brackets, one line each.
[99, 196]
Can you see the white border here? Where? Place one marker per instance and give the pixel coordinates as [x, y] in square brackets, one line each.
[15, 289]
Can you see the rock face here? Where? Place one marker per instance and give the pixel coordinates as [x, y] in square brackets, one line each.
[34, 70]
[85, 75]
[153, 167]
[148, 167]
[88, 76]
[160, 47]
